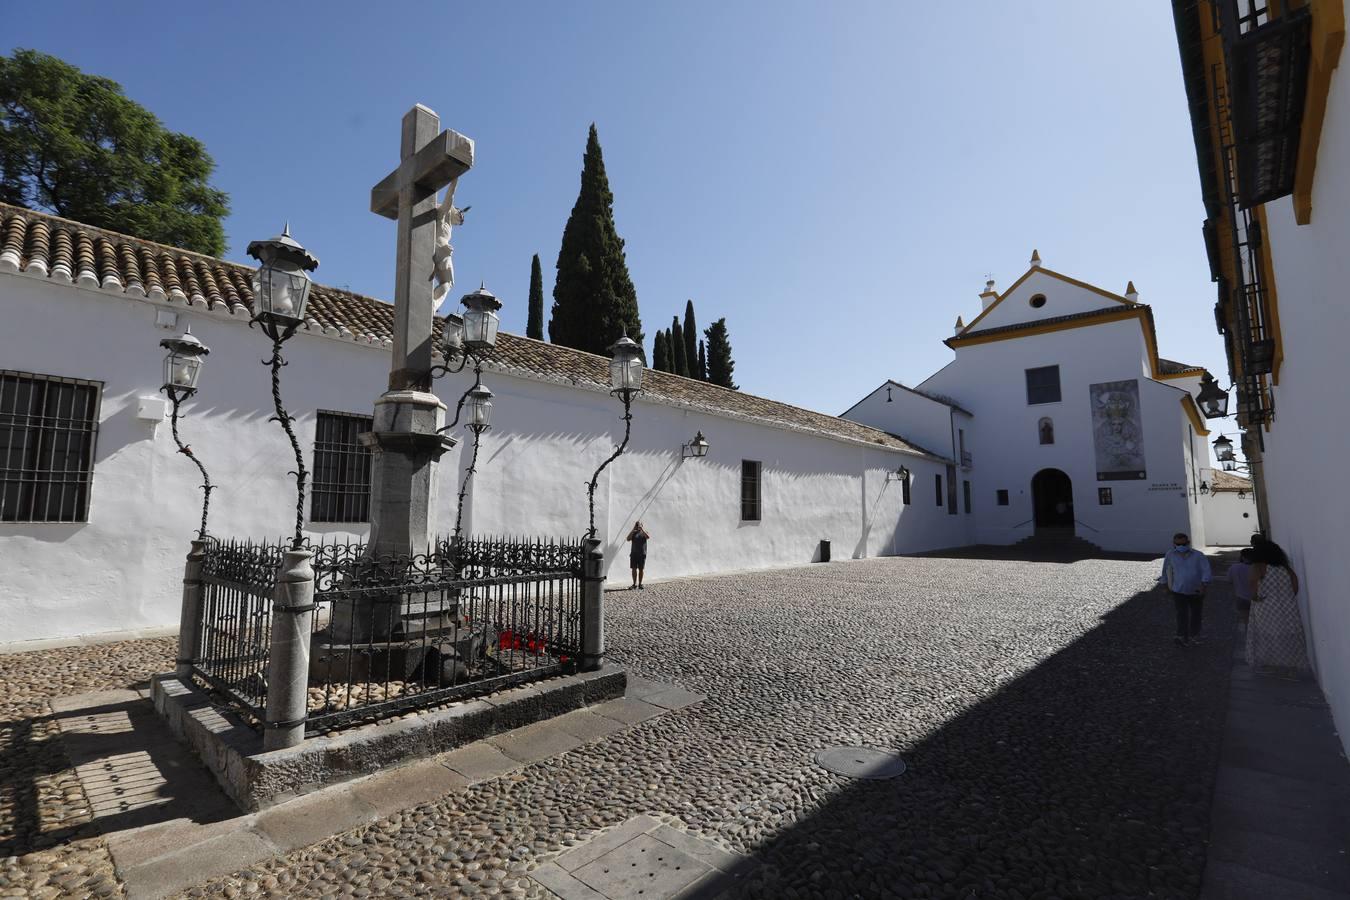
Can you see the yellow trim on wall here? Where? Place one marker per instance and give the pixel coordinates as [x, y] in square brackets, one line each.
[1193, 412]
[1328, 37]
[1052, 273]
[1272, 295]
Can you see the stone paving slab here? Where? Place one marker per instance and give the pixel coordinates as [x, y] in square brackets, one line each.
[674, 698]
[169, 826]
[628, 710]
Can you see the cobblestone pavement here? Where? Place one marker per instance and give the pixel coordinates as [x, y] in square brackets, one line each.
[47, 846]
[1059, 745]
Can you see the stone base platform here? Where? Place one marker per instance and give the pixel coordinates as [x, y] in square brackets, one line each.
[253, 779]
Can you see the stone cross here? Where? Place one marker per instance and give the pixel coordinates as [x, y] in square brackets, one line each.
[430, 161]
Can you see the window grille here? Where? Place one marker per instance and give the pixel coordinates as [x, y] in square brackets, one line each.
[1043, 385]
[1104, 496]
[48, 435]
[341, 490]
[1002, 498]
[904, 489]
[750, 491]
[951, 490]
[937, 482]
[965, 486]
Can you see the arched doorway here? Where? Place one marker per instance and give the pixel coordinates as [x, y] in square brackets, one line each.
[1052, 500]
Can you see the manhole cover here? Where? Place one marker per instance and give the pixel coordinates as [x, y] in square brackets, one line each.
[861, 762]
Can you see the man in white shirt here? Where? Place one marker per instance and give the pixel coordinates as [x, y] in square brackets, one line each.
[1186, 573]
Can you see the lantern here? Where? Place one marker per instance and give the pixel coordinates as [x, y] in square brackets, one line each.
[183, 364]
[1212, 399]
[697, 448]
[282, 283]
[480, 320]
[480, 408]
[1223, 449]
[452, 337]
[625, 369]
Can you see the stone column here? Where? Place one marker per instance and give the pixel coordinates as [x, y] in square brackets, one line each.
[592, 607]
[288, 665]
[190, 612]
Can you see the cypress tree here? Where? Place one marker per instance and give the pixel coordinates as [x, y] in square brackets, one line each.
[670, 352]
[677, 356]
[593, 296]
[702, 362]
[660, 355]
[534, 327]
[720, 364]
[690, 339]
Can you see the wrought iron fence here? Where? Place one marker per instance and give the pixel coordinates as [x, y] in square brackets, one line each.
[396, 633]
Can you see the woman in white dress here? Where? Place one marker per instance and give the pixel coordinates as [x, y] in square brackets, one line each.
[1275, 639]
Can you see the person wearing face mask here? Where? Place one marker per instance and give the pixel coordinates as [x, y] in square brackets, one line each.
[1186, 573]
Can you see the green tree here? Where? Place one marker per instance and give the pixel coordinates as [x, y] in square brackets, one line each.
[690, 339]
[75, 145]
[680, 362]
[593, 295]
[702, 362]
[660, 353]
[720, 364]
[534, 326]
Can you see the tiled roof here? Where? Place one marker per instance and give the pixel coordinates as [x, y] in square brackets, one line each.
[61, 250]
[1172, 367]
[1228, 482]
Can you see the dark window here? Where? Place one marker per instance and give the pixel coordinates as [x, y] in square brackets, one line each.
[904, 489]
[937, 479]
[341, 469]
[965, 486]
[1104, 496]
[1037, 301]
[951, 490]
[1002, 498]
[750, 495]
[48, 431]
[1043, 385]
[1046, 429]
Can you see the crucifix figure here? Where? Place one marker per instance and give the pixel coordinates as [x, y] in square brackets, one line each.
[430, 160]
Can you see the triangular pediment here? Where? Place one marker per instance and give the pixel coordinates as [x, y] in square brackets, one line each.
[1043, 294]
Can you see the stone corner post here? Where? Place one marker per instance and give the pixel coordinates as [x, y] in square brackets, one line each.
[288, 665]
[190, 613]
[592, 606]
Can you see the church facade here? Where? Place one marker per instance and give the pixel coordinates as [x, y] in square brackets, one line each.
[1063, 420]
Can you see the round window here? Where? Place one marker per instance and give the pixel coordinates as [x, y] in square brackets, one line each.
[1037, 301]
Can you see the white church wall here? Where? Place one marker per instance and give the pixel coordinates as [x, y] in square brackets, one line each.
[1307, 500]
[917, 418]
[990, 379]
[121, 570]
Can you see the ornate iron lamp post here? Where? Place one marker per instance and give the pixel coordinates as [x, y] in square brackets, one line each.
[480, 420]
[469, 338]
[281, 289]
[1223, 449]
[900, 474]
[182, 368]
[1212, 399]
[625, 381]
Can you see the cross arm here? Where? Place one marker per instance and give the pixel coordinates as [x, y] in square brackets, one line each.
[445, 157]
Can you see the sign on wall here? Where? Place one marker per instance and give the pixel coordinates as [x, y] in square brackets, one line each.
[1117, 430]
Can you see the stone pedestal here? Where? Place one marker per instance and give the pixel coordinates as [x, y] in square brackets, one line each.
[288, 660]
[592, 607]
[191, 610]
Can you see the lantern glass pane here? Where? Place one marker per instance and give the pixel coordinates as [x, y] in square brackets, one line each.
[180, 370]
[480, 411]
[453, 334]
[480, 328]
[283, 288]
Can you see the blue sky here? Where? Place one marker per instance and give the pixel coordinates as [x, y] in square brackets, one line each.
[834, 178]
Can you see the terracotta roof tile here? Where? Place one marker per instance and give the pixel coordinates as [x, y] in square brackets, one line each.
[1228, 482]
[63, 250]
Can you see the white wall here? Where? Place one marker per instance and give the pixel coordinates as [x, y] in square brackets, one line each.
[925, 422]
[1229, 521]
[122, 569]
[1062, 298]
[989, 379]
[1307, 500]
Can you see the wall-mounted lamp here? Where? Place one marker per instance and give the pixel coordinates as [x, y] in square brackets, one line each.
[900, 474]
[1204, 487]
[888, 394]
[695, 449]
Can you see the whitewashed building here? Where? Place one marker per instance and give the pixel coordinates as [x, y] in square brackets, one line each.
[97, 506]
[1270, 112]
[1061, 419]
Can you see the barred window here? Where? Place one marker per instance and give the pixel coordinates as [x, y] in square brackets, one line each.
[750, 494]
[904, 489]
[1043, 385]
[48, 434]
[341, 469]
[965, 486]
